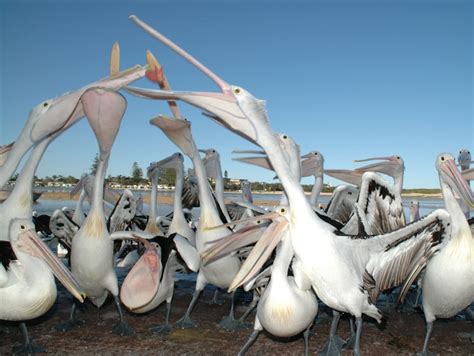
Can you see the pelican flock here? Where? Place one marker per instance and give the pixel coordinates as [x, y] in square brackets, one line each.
[294, 259]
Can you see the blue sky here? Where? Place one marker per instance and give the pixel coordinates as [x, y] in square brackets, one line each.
[352, 79]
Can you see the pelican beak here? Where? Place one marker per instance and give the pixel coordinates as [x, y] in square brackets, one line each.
[164, 163]
[348, 176]
[221, 107]
[30, 243]
[260, 161]
[249, 234]
[178, 131]
[104, 109]
[389, 165]
[142, 282]
[261, 252]
[4, 150]
[457, 181]
[468, 174]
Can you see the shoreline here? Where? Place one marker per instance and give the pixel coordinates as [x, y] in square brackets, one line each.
[168, 199]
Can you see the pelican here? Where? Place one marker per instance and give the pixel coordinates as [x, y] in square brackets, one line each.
[58, 114]
[464, 161]
[219, 273]
[92, 261]
[27, 288]
[178, 224]
[346, 272]
[313, 165]
[448, 282]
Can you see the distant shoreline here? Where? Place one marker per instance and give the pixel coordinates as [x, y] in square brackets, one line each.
[168, 199]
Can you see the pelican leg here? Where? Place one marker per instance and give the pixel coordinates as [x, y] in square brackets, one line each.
[334, 345]
[306, 340]
[429, 330]
[249, 342]
[72, 322]
[186, 322]
[122, 328]
[349, 344]
[358, 334]
[166, 328]
[28, 348]
[215, 300]
[251, 307]
[229, 322]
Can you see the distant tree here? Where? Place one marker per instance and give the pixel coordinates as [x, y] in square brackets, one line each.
[168, 176]
[137, 173]
[94, 165]
[226, 175]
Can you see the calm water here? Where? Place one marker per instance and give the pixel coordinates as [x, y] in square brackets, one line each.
[48, 206]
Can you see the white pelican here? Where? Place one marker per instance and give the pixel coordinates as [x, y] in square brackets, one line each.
[464, 161]
[346, 272]
[448, 281]
[58, 114]
[92, 261]
[219, 273]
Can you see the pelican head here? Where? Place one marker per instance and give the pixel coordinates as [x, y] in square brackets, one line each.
[392, 166]
[233, 107]
[178, 131]
[24, 240]
[464, 158]
[174, 161]
[449, 174]
[312, 164]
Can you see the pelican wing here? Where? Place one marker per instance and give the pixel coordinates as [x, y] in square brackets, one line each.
[403, 259]
[121, 216]
[63, 227]
[190, 196]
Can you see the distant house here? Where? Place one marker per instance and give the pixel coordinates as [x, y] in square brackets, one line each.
[235, 181]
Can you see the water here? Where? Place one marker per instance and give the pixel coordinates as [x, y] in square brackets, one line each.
[48, 206]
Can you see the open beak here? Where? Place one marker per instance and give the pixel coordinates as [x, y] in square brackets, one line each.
[348, 176]
[142, 282]
[457, 181]
[261, 252]
[30, 243]
[223, 107]
[104, 109]
[178, 131]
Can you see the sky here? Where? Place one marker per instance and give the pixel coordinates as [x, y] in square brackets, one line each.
[351, 79]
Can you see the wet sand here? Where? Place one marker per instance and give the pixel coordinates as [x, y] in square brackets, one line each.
[402, 334]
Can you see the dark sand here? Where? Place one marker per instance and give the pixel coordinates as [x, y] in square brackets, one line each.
[403, 333]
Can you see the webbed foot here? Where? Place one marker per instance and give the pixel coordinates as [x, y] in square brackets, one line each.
[123, 329]
[27, 349]
[231, 324]
[333, 347]
[185, 323]
[161, 329]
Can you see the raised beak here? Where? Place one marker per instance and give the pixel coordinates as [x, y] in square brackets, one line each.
[457, 181]
[163, 163]
[260, 253]
[260, 161]
[142, 282]
[348, 176]
[223, 107]
[30, 243]
[104, 109]
[249, 234]
[388, 166]
[178, 131]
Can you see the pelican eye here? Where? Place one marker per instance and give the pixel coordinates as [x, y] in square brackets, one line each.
[285, 137]
[398, 157]
[237, 90]
[23, 227]
[315, 153]
[45, 104]
[258, 221]
[282, 210]
[442, 158]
